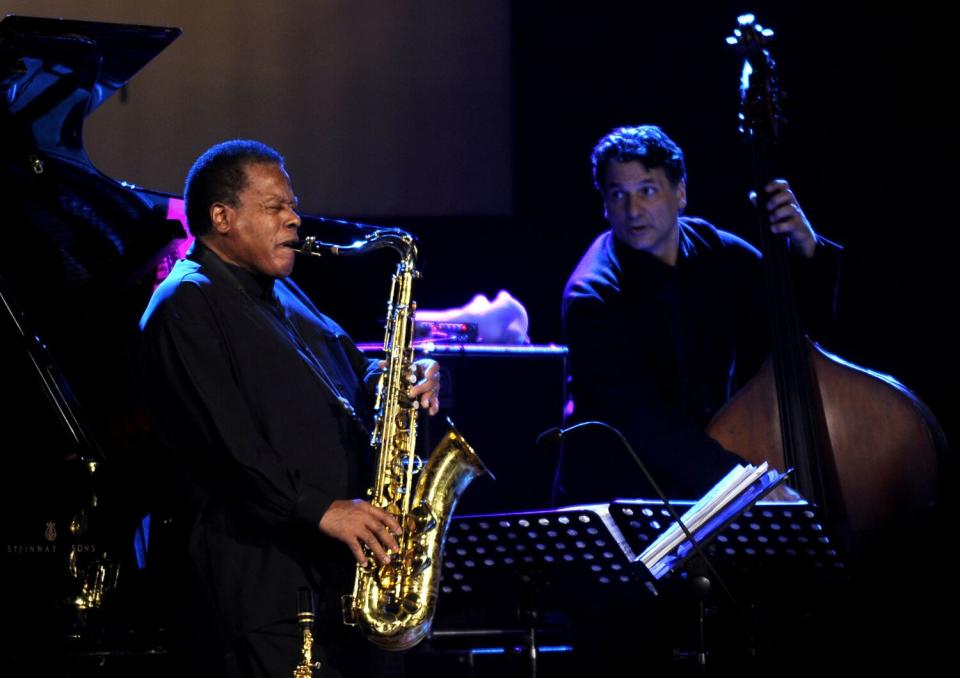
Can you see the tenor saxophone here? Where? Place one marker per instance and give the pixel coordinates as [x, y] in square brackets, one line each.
[394, 604]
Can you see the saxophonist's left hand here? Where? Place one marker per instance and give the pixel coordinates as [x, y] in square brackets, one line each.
[427, 388]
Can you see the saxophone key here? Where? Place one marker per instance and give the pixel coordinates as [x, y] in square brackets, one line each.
[416, 463]
[423, 518]
[390, 605]
[420, 563]
[349, 610]
[411, 604]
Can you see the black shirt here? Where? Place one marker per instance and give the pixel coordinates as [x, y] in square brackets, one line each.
[656, 350]
[264, 404]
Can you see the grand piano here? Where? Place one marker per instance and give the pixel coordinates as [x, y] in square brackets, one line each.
[78, 263]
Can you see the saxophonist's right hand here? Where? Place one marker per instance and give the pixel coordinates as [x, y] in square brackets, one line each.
[359, 524]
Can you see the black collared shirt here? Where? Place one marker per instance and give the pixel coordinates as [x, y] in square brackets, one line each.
[265, 405]
[656, 350]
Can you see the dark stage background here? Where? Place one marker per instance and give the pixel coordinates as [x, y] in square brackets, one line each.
[471, 125]
[863, 148]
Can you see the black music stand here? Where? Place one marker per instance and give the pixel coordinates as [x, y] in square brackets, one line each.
[767, 550]
[776, 534]
[515, 557]
[518, 557]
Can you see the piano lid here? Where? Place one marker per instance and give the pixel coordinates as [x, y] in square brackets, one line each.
[77, 247]
[122, 50]
[54, 72]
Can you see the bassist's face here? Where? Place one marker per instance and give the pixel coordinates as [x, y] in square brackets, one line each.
[642, 207]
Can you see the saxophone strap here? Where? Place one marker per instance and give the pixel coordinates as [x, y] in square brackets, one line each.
[266, 295]
[315, 363]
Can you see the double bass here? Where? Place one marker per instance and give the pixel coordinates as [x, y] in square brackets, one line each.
[862, 446]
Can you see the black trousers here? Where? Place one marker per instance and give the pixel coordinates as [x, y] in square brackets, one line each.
[274, 650]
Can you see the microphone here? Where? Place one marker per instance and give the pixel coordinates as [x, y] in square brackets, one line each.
[555, 435]
[552, 436]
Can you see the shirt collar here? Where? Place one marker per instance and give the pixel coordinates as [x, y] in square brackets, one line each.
[255, 285]
[628, 256]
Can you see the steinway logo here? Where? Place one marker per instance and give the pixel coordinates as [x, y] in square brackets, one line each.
[31, 548]
[50, 536]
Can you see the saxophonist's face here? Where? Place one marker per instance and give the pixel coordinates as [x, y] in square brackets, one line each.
[257, 232]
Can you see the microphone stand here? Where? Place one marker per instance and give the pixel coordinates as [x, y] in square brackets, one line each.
[700, 583]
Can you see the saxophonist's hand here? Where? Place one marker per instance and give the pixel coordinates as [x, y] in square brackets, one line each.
[427, 388]
[359, 524]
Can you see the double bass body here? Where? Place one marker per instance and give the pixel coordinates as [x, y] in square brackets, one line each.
[882, 442]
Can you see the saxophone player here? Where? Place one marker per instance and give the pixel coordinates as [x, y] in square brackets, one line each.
[264, 407]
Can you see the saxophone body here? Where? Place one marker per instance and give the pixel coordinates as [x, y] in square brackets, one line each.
[394, 603]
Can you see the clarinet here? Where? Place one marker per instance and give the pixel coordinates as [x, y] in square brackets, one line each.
[305, 617]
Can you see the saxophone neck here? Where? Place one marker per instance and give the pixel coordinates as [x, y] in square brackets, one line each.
[378, 238]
